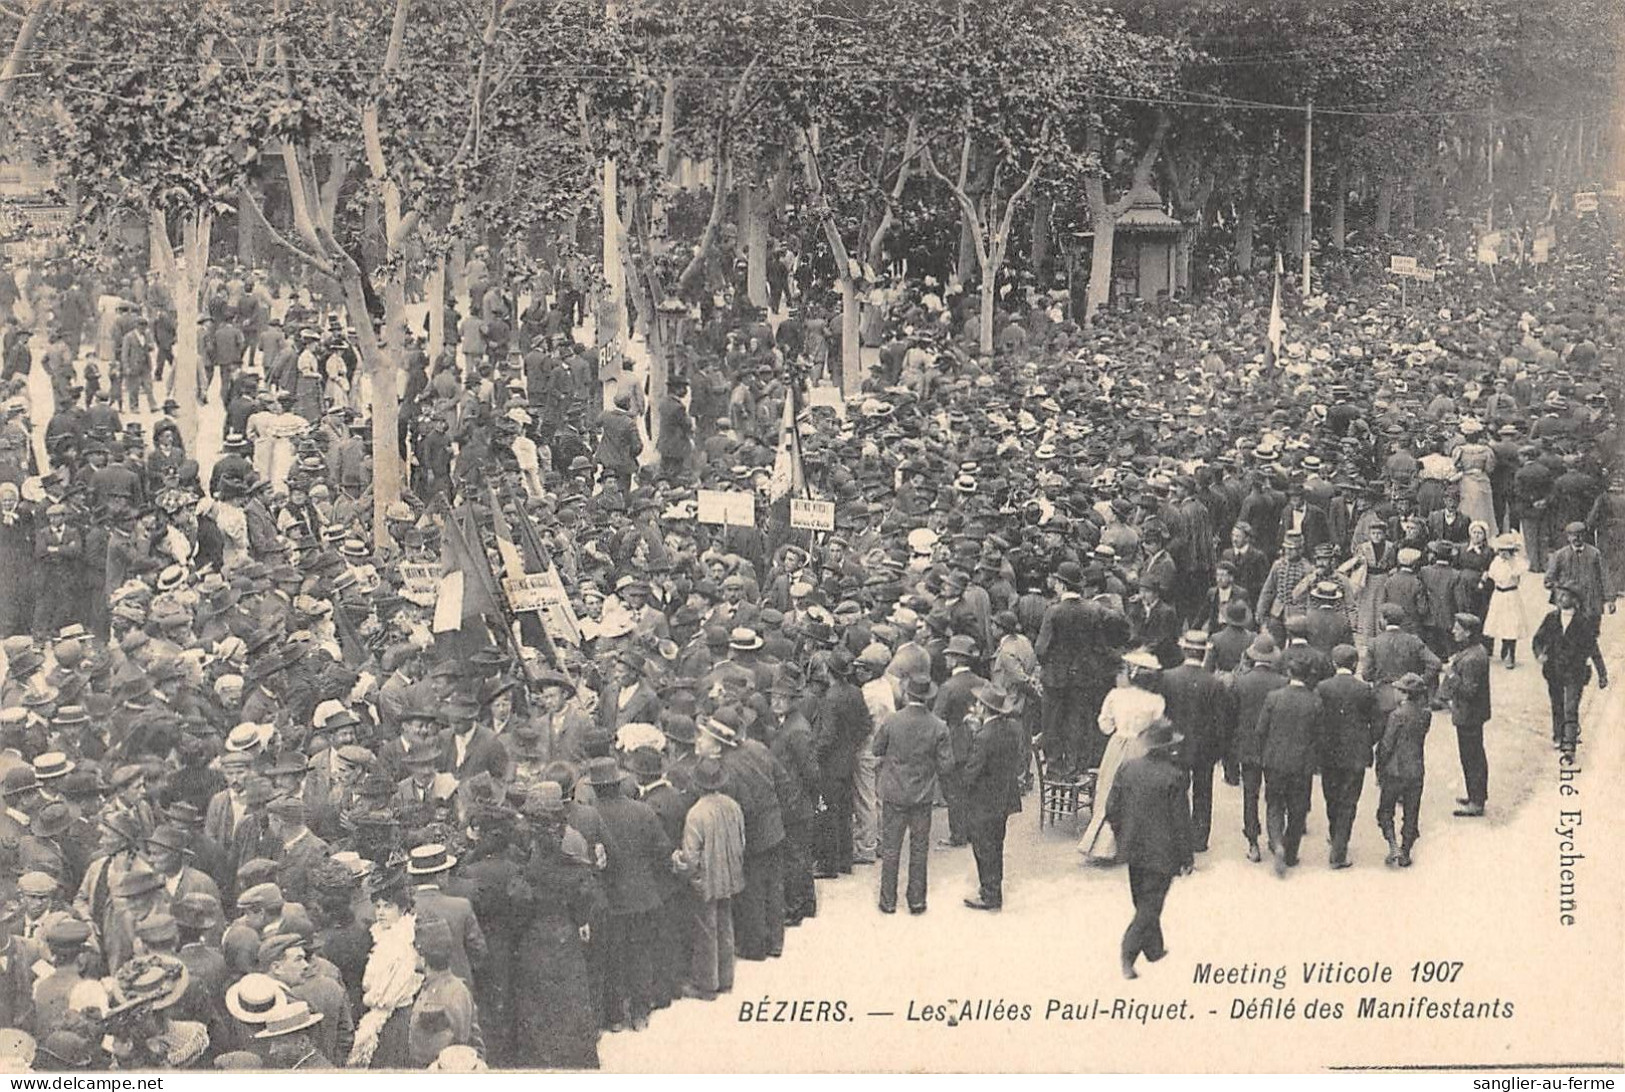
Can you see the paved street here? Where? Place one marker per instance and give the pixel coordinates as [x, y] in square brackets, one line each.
[1476, 885]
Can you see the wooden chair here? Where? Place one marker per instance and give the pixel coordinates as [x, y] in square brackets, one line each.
[1063, 798]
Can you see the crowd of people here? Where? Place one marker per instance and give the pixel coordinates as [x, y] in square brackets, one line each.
[265, 808]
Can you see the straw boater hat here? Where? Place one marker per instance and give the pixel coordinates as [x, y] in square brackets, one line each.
[287, 1019]
[428, 860]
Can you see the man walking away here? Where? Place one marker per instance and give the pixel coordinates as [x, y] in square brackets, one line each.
[1150, 812]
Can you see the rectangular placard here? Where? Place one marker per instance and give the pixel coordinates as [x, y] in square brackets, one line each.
[812, 515]
[730, 508]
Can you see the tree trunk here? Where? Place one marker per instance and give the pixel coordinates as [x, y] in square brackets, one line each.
[182, 273]
[1407, 208]
[851, 348]
[435, 290]
[611, 310]
[246, 248]
[1100, 263]
[756, 237]
[459, 274]
[1043, 209]
[1340, 203]
[990, 277]
[1385, 206]
[1246, 227]
[388, 477]
[966, 260]
[1183, 246]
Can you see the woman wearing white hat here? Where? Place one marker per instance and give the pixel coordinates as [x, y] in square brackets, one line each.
[1127, 713]
[1505, 620]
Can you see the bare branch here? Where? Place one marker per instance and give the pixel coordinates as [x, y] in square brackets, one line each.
[973, 215]
[820, 204]
[321, 265]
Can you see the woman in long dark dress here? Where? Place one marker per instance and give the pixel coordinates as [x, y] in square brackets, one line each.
[16, 562]
[556, 1026]
[490, 866]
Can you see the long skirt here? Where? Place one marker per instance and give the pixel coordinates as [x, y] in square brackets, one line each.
[1099, 842]
[556, 1026]
[1477, 499]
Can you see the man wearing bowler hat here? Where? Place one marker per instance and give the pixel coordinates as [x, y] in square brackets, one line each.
[1065, 639]
[915, 752]
[642, 851]
[991, 786]
[1199, 706]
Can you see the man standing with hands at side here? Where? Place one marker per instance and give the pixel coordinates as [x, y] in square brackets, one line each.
[992, 790]
[1466, 684]
[914, 751]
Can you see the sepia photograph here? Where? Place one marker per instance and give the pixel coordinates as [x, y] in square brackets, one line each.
[812, 536]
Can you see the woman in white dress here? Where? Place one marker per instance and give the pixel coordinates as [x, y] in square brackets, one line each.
[1128, 712]
[1505, 620]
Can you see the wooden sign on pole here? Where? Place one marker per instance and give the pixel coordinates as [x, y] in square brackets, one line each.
[1585, 201]
[1402, 264]
[812, 515]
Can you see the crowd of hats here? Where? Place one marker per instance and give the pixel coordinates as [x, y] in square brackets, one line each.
[313, 661]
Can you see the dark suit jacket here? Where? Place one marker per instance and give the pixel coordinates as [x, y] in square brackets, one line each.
[843, 725]
[1316, 527]
[676, 439]
[913, 748]
[1291, 723]
[619, 444]
[756, 782]
[1352, 722]
[1198, 705]
[793, 746]
[1467, 685]
[1329, 628]
[467, 941]
[1150, 812]
[1065, 640]
[1252, 567]
[641, 850]
[993, 769]
[954, 701]
[485, 753]
[1399, 752]
[1251, 690]
[642, 708]
[1569, 652]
